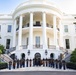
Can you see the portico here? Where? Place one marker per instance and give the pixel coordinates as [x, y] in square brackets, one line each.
[47, 24]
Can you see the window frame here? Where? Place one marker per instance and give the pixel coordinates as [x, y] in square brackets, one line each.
[66, 28]
[67, 43]
[9, 29]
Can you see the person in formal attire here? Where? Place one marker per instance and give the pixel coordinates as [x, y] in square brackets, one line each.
[27, 62]
[56, 63]
[30, 62]
[18, 63]
[64, 64]
[10, 65]
[60, 64]
[14, 64]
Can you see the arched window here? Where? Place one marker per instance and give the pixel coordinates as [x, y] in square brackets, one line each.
[52, 55]
[12, 56]
[22, 55]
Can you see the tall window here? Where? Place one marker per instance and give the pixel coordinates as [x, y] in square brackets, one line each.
[27, 41]
[9, 28]
[48, 41]
[75, 27]
[7, 43]
[67, 43]
[66, 28]
[37, 41]
[0, 27]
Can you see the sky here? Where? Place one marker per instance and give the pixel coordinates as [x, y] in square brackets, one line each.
[67, 6]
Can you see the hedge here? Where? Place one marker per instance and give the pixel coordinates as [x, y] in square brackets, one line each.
[71, 65]
[3, 65]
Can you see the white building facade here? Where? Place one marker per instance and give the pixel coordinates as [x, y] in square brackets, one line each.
[38, 27]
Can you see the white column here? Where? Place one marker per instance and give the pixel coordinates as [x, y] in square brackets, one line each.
[55, 31]
[61, 34]
[44, 31]
[31, 32]
[20, 32]
[14, 33]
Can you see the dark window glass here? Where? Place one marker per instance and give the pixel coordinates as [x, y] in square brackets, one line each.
[48, 41]
[7, 43]
[27, 41]
[66, 28]
[9, 28]
[67, 43]
[0, 27]
[37, 41]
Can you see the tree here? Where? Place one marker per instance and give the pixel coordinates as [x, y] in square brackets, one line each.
[73, 56]
[0, 54]
[2, 48]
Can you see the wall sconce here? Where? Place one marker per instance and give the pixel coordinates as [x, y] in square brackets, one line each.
[28, 52]
[46, 52]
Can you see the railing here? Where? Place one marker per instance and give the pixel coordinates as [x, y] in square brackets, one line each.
[51, 26]
[35, 25]
[10, 50]
[5, 58]
[37, 46]
[51, 46]
[24, 46]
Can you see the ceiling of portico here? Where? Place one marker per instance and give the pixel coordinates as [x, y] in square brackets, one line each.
[37, 16]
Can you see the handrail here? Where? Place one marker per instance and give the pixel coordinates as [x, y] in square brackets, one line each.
[24, 46]
[37, 46]
[51, 46]
[3, 57]
[10, 50]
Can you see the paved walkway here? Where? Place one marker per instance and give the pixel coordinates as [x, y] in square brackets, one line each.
[37, 69]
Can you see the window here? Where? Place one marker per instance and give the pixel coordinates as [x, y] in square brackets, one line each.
[0, 27]
[0, 37]
[27, 41]
[7, 43]
[75, 27]
[9, 28]
[66, 28]
[67, 43]
[48, 41]
[37, 41]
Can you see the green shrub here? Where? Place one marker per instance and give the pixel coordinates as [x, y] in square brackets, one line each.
[2, 49]
[73, 56]
[3, 65]
[71, 65]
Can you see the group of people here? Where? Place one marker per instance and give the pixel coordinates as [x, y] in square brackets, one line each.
[58, 64]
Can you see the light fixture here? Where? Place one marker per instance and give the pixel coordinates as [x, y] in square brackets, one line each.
[46, 52]
[28, 52]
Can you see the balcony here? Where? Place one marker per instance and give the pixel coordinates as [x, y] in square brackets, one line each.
[51, 47]
[24, 46]
[35, 25]
[37, 46]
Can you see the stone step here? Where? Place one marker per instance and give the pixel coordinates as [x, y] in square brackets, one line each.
[37, 69]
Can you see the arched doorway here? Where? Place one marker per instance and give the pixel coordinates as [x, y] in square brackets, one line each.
[23, 56]
[12, 56]
[37, 58]
[52, 55]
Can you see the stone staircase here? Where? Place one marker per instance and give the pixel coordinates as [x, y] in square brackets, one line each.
[67, 57]
[5, 58]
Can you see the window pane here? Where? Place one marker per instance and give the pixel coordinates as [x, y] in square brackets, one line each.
[67, 43]
[0, 27]
[9, 28]
[66, 28]
[75, 28]
[37, 41]
[7, 43]
[27, 41]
